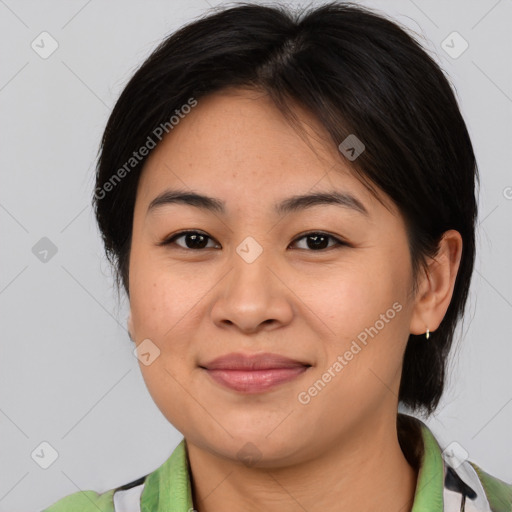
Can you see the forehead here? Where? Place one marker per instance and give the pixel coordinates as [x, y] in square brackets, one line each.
[236, 144]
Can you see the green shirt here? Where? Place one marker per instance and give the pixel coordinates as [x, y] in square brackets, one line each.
[446, 483]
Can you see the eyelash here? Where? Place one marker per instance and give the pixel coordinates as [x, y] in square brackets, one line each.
[338, 242]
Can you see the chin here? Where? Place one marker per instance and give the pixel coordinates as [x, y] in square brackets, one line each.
[258, 449]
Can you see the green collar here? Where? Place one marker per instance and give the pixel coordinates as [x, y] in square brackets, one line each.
[430, 484]
[169, 487]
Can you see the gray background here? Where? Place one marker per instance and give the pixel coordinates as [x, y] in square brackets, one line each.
[67, 373]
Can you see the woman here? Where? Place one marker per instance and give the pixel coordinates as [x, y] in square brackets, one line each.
[289, 203]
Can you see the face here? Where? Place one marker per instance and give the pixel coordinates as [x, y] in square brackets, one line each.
[321, 283]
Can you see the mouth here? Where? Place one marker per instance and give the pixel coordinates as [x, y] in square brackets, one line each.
[254, 373]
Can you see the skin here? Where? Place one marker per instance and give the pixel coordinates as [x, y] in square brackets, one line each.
[340, 451]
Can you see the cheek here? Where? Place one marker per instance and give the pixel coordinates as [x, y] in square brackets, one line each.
[365, 309]
[162, 306]
[160, 296]
[352, 297]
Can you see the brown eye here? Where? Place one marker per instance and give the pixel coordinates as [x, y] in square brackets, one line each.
[196, 240]
[192, 240]
[318, 241]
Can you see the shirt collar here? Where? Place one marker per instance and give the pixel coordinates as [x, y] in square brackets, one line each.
[428, 496]
[169, 487]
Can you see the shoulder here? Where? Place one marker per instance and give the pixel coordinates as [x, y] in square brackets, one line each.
[123, 498]
[169, 483]
[498, 492]
[466, 486]
[84, 501]
[483, 492]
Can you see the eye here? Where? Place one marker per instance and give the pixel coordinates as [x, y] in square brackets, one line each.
[196, 240]
[317, 240]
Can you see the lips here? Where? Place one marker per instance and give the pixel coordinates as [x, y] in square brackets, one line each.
[262, 361]
[254, 373]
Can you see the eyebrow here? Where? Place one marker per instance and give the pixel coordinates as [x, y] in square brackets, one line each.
[291, 204]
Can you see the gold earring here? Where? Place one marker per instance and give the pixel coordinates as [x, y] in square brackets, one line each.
[427, 334]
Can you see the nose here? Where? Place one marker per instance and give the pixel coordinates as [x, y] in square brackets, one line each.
[253, 296]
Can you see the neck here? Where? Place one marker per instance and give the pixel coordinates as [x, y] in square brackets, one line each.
[364, 471]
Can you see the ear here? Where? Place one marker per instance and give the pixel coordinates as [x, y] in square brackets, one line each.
[130, 327]
[436, 287]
